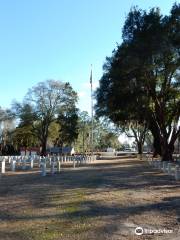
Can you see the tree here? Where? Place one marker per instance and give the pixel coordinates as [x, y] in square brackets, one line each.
[67, 120]
[141, 80]
[23, 136]
[2, 119]
[53, 136]
[43, 103]
[136, 131]
[104, 134]
[82, 143]
[7, 125]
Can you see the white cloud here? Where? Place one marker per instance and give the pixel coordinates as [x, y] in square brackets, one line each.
[123, 138]
[82, 94]
[87, 85]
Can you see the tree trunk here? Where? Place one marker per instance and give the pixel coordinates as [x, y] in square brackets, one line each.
[43, 150]
[61, 146]
[167, 155]
[167, 151]
[157, 146]
[156, 142]
[139, 145]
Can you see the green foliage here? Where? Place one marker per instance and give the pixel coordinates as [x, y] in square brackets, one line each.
[24, 112]
[82, 143]
[41, 106]
[23, 137]
[68, 120]
[7, 126]
[141, 79]
[53, 134]
[103, 135]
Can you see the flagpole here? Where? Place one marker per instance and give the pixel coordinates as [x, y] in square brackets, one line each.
[92, 115]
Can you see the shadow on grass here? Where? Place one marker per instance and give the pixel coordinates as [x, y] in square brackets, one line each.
[115, 176]
[95, 209]
[71, 184]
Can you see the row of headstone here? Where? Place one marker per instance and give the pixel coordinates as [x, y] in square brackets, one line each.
[55, 162]
[55, 167]
[167, 167]
[148, 157]
[27, 162]
[13, 161]
[176, 158]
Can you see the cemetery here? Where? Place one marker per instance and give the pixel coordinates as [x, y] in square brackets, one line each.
[52, 164]
[49, 164]
[78, 197]
[91, 150]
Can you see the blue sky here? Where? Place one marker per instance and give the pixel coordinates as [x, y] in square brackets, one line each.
[59, 39]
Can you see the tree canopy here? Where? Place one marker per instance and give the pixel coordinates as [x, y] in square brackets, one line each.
[42, 105]
[141, 79]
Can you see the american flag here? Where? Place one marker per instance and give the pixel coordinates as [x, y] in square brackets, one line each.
[91, 76]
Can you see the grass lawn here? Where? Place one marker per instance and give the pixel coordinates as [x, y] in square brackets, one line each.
[105, 200]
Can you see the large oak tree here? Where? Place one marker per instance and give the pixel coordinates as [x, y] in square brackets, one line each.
[41, 107]
[141, 79]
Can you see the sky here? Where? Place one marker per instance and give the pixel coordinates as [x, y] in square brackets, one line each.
[60, 39]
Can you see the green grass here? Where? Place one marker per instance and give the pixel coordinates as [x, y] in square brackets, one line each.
[61, 225]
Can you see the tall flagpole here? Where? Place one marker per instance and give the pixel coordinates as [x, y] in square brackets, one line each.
[92, 115]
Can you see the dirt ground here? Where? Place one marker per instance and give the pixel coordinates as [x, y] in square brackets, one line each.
[105, 200]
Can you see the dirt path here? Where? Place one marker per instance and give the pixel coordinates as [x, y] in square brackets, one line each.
[106, 200]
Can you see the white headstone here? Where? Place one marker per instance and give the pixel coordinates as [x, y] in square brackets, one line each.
[31, 163]
[74, 162]
[159, 164]
[24, 163]
[169, 168]
[13, 165]
[3, 167]
[58, 166]
[164, 166]
[177, 173]
[52, 167]
[43, 169]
